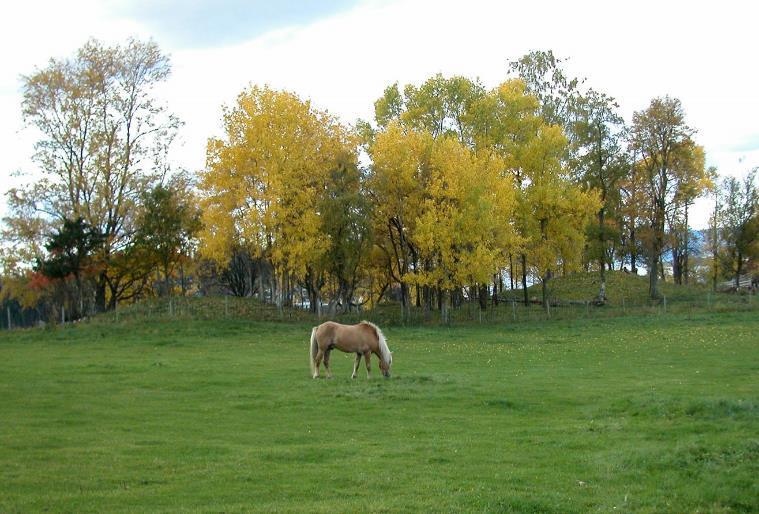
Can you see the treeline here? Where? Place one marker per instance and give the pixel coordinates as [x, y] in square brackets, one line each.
[454, 192]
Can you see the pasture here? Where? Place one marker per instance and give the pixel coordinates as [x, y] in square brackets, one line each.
[632, 414]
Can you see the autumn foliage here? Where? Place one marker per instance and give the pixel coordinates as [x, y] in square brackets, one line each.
[450, 190]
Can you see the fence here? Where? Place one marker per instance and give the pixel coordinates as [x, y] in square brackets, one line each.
[12, 316]
[510, 310]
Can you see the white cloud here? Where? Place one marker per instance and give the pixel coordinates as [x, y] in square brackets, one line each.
[702, 54]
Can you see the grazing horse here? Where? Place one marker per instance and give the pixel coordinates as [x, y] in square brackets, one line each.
[362, 339]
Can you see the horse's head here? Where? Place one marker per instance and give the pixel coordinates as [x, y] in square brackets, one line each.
[385, 366]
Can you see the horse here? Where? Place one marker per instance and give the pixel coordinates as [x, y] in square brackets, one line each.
[364, 339]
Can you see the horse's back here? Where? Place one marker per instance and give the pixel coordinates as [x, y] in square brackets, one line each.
[348, 338]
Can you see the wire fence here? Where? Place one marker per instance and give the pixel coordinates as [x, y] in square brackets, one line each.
[509, 310]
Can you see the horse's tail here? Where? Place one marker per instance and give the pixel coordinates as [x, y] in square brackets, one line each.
[314, 349]
[387, 355]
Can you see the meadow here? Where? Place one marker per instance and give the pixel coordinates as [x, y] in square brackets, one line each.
[629, 414]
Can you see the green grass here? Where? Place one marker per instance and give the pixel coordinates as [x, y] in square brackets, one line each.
[636, 414]
[581, 286]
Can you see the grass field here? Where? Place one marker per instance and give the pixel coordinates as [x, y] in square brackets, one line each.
[632, 414]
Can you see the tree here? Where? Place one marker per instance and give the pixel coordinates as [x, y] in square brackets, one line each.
[464, 229]
[103, 139]
[554, 211]
[740, 222]
[239, 275]
[264, 182]
[693, 180]
[659, 137]
[632, 212]
[167, 225]
[70, 255]
[440, 106]
[396, 186]
[600, 163]
[346, 216]
[556, 92]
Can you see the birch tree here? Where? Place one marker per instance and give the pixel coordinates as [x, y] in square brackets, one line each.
[103, 139]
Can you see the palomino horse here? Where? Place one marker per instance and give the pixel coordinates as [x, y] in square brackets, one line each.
[362, 339]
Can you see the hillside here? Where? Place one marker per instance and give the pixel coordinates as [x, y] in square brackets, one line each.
[633, 289]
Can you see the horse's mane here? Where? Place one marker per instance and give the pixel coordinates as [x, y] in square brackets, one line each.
[387, 356]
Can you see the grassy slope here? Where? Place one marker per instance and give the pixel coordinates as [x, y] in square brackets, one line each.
[634, 288]
[638, 414]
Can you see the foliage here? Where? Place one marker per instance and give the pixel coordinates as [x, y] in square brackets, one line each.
[670, 163]
[70, 249]
[433, 202]
[600, 163]
[739, 224]
[264, 182]
[103, 139]
[167, 225]
[545, 78]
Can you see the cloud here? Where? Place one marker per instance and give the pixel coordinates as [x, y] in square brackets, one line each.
[749, 143]
[204, 23]
[341, 54]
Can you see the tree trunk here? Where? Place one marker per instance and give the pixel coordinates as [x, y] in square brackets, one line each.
[602, 256]
[427, 299]
[260, 282]
[633, 253]
[100, 293]
[738, 269]
[544, 282]
[524, 280]
[686, 271]
[405, 301]
[653, 275]
[511, 271]
[166, 280]
[445, 306]
[182, 279]
[482, 296]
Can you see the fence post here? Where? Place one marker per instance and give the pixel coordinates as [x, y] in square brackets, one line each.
[63, 315]
[8, 310]
[514, 309]
[665, 303]
[226, 306]
[709, 300]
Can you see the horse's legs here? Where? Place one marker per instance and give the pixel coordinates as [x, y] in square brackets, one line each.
[326, 363]
[368, 358]
[356, 364]
[318, 360]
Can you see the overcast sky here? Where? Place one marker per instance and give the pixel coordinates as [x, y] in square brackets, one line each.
[341, 54]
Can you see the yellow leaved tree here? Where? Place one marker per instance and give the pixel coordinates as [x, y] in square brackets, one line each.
[554, 211]
[265, 180]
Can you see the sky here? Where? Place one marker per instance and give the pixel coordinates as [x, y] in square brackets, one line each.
[341, 54]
